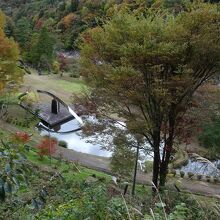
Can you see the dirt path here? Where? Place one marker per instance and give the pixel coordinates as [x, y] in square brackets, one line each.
[103, 164]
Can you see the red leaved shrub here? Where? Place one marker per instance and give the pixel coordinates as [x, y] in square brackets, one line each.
[21, 137]
[47, 147]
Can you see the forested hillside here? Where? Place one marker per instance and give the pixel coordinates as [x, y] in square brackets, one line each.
[66, 19]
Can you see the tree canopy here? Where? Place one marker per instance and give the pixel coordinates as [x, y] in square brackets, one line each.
[9, 54]
[146, 68]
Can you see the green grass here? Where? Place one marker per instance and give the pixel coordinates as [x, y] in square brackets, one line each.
[68, 169]
[74, 86]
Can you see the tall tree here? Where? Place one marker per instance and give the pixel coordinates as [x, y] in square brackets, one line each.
[74, 5]
[42, 49]
[146, 69]
[23, 32]
[9, 72]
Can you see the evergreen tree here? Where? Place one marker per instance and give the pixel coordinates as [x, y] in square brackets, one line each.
[42, 48]
[23, 32]
[74, 5]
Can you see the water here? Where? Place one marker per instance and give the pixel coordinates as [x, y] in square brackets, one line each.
[75, 141]
[203, 168]
[92, 145]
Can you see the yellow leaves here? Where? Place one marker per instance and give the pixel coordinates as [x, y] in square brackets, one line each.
[9, 55]
[2, 20]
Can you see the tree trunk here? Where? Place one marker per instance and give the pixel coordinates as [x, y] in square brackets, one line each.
[156, 162]
[168, 149]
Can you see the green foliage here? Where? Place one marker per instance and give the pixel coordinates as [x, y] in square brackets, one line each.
[148, 166]
[190, 174]
[210, 135]
[63, 144]
[146, 68]
[74, 5]
[42, 49]
[13, 168]
[23, 32]
[123, 157]
[180, 212]
[56, 67]
[92, 202]
[182, 174]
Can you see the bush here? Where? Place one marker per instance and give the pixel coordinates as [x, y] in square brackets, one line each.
[182, 173]
[47, 147]
[148, 166]
[208, 178]
[63, 144]
[180, 159]
[215, 179]
[199, 176]
[173, 172]
[74, 75]
[210, 136]
[190, 174]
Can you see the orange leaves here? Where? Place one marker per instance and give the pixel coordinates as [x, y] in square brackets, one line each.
[68, 20]
[47, 147]
[9, 54]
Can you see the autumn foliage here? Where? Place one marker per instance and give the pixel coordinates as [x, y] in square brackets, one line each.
[9, 55]
[47, 147]
[68, 20]
[21, 137]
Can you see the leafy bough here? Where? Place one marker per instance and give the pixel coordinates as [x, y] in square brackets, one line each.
[13, 168]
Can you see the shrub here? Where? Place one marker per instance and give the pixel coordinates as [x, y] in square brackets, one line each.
[148, 166]
[102, 179]
[210, 135]
[74, 75]
[63, 144]
[182, 173]
[47, 147]
[173, 172]
[14, 168]
[190, 174]
[199, 176]
[21, 137]
[56, 67]
[215, 179]
[208, 178]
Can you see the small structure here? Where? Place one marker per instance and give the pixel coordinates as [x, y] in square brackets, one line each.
[53, 114]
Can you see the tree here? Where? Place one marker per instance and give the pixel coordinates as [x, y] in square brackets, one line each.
[123, 157]
[42, 48]
[74, 5]
[23, 32]
[210, 135]
[47, 147]
[146, 69]
[9, 72]
[13, 164]
[67, 21]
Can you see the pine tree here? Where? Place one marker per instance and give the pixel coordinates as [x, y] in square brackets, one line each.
[23, 32]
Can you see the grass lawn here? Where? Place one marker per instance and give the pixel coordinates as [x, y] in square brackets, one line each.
[69, 170]
[73, 86]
